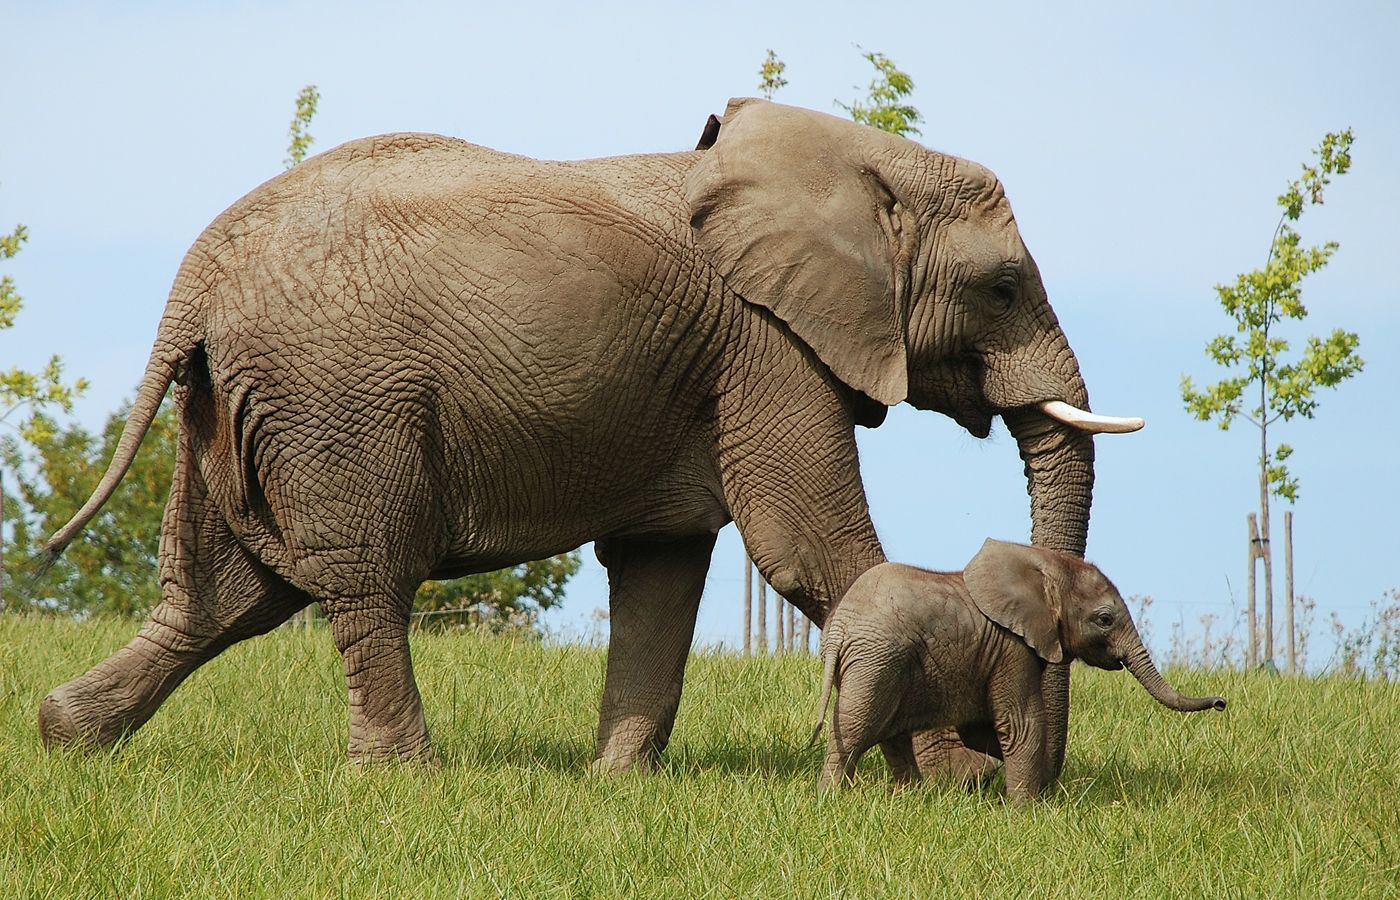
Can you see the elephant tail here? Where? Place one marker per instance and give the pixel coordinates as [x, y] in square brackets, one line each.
[178, 342]
[830, 654]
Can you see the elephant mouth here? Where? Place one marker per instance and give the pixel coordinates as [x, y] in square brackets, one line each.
[977, 422]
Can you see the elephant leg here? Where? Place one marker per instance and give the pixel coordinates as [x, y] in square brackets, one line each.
[1025, 769]
[970, 756]
[838, 769]
[655, 592]
[869, 689]
[386, 710]
[791, 476]
[1019, 719]
[943, 754]
[1054, 692]
[214, 594]
[899, 753]
[846, 745]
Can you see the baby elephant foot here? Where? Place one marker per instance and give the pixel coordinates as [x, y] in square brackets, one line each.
[838, 773]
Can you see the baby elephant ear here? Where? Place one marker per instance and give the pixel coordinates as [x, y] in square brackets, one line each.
[1008, 584]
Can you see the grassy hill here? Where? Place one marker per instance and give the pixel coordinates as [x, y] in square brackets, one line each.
[239, 788]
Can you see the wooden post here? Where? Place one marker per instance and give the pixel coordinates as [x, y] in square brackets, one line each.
[1266, 554]
[806, 635]
[1252, 655]
[791, 636]
[777, 623]
[762, 615]
[2, 540]
[748, 605]
[1288, 590]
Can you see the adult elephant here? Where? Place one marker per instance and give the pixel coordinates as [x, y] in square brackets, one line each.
[411, 357]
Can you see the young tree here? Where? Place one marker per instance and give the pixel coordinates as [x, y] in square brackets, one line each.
[770, 75]
[1258, 303]
[884, 107]
[21, 390]
[24, 392]
[113, 570]
[507, 601]
[299, 132]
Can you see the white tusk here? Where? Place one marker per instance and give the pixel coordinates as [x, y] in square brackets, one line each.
[1087, 421]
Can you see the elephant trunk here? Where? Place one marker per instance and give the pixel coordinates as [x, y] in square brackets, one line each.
[1140, 664]
[1059, 468]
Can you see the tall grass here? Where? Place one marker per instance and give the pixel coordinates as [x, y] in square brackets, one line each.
[239, 787]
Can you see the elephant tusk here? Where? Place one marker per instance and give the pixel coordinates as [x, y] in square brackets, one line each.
[1087, 421]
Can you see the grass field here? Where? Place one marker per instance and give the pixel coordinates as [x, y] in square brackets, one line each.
[239, 787]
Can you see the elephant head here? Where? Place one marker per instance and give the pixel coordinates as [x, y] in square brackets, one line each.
[904, 272]
[1065, 608]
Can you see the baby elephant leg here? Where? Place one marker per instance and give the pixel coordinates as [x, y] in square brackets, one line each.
[943, 754]
[899, 753]
[868, 695]
[837, 769]
[1020, 729]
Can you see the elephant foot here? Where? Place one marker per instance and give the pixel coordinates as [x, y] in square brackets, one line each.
[377, 754]
[72, 717]
[632, 743]
[58, 728]
[621, 763]
[942, 756]
[381, 750]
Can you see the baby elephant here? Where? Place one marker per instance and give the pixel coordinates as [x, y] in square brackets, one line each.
[909, 649]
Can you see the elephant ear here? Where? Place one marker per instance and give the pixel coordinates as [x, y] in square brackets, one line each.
[791, 209]
[1012, 585]
[710, 134]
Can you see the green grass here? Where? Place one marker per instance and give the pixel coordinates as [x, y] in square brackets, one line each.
[239, 787]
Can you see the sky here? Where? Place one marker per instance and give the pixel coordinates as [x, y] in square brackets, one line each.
[1142, 147]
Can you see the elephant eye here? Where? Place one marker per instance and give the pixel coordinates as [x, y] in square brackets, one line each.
[1003, 295]
[1104, 618]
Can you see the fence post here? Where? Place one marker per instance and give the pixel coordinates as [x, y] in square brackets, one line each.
[748, 604]
[1252, 655]
[762, 615]
[1288, 589]
[2, 539]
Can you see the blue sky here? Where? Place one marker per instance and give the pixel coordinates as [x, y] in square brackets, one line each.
[1142, 150]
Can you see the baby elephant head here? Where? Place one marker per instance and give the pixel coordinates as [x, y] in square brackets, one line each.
[1064, 609]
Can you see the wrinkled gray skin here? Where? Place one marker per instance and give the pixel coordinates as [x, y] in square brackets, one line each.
[411, 357]
[909, 649]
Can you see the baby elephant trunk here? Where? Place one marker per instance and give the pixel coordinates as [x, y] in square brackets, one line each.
[1140, 664]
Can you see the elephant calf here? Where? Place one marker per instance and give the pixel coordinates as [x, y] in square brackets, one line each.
[909, 649]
